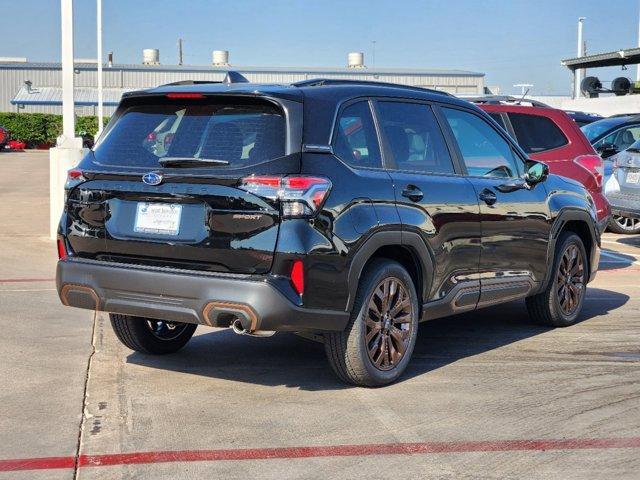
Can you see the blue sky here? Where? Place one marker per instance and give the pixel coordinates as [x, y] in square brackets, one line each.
[512, 41]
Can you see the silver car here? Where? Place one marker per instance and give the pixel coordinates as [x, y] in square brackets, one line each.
[622, 189]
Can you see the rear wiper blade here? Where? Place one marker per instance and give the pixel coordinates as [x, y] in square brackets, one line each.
[190, 161]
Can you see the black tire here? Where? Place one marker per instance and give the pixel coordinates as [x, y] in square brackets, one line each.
[348, 351]
[624, 225]
[151, 336]
[549, 307]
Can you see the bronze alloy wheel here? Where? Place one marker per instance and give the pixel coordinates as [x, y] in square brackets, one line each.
[388, 323]
[570, 279]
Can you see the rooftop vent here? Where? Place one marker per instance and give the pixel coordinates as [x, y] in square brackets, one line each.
[13, 59]
[151, 56]
[355, 60]
[220, 58]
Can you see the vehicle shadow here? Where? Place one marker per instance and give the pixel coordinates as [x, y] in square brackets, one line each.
[615, 260]
[295, 362]
[632, 240]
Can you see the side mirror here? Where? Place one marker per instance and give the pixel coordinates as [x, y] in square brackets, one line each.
[536, 172]
[607, 149]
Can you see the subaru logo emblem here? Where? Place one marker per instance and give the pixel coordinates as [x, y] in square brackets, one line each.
[152, 178]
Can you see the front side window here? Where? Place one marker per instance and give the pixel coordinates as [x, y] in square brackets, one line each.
[414, 137]
[623, 138]
[355, 139]
[239, 134]
[484, 151]
[536, 133]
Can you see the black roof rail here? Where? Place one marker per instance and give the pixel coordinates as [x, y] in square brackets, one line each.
[230, 77]
[318, 82]
[189, 82]
[624, 115]
[498, 99]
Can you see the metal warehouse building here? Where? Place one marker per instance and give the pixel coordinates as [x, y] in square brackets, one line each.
[36, 87]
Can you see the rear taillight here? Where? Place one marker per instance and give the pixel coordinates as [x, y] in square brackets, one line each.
[301, 196]
[297, 277]
[592, 164]
[62, 249]
[74, 177]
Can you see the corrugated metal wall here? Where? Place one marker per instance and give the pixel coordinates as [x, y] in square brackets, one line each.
[13, 77]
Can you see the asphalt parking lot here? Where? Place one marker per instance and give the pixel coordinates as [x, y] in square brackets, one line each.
[487, 394]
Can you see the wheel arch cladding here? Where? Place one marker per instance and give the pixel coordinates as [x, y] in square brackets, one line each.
[412, 254]
[575, 221]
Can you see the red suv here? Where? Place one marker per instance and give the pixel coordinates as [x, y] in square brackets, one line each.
[551, 136]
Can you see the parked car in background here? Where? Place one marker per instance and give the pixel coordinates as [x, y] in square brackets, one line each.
[583, 118]
[624, 197]
[345, 210]
[4, 137]
[612, 135]
[549, 135]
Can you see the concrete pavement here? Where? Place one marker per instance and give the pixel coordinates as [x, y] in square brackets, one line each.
[478, 386]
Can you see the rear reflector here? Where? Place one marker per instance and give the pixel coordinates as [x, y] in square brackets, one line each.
[62, 249]
[297, 277]
[185, 95]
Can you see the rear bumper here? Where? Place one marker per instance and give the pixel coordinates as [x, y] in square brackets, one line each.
[625, 212]
[187, 297]
[603, 210]
[625, 205]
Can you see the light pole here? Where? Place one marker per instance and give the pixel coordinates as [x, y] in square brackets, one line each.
[99, 46]
[638, 68]
[68, 150]
[577, 75]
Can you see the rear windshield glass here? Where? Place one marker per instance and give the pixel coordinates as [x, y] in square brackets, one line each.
[239, 134]
[596, 129]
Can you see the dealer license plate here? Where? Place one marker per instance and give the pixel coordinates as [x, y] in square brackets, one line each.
[158, 218]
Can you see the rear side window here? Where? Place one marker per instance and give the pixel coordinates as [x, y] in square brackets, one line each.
[355, 140]
[535, 133]
[240, 134]
[414, 137]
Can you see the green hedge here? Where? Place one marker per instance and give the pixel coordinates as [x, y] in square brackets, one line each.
[42, 128]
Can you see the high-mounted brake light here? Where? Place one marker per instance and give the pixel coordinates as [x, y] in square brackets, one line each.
[297, 277]
[185, 95]
[592, 164]
[301, 195]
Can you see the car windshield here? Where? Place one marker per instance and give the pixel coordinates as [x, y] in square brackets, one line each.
[195, 132]
[596, 129]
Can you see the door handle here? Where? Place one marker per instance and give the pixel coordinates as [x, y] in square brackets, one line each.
[413, 193]
[488, 197]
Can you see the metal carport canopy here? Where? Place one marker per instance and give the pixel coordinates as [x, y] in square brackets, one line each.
[83, 96]
[630, 56]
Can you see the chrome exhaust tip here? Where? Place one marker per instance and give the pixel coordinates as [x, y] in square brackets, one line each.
[238, 327]
[241, 329]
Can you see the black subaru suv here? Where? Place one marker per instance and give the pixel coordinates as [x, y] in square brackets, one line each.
[343, 209]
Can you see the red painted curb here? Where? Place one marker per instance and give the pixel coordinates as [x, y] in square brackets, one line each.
[45, 463]
[317, 452]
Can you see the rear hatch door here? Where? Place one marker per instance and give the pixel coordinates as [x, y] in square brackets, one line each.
[163, 186]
